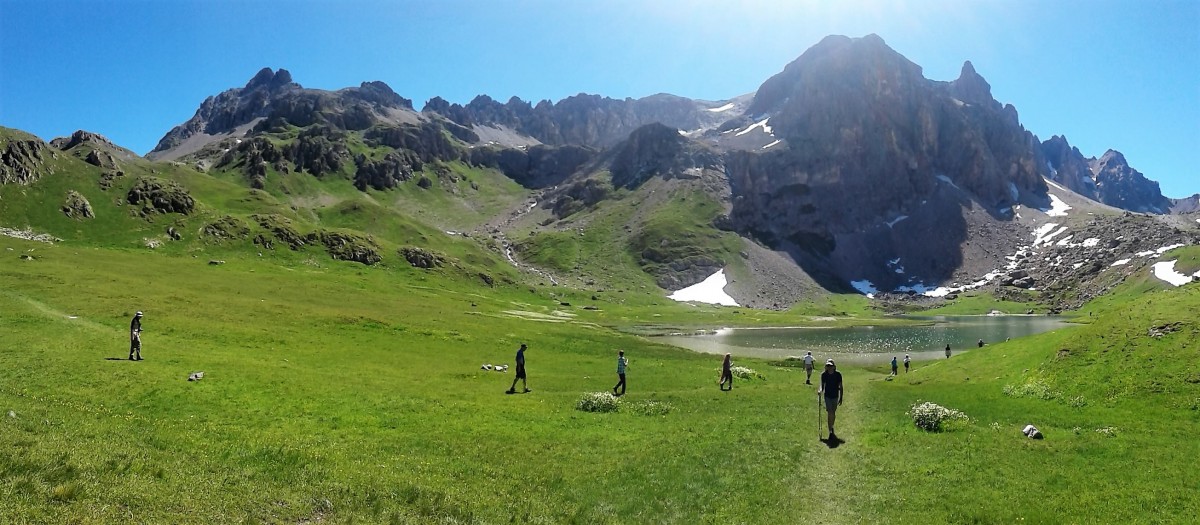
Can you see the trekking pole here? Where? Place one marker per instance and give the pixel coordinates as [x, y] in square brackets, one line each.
[819, 424]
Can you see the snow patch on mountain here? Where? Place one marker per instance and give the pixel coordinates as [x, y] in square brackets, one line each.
[1165, 271]
[760, 124]
[777, 141]
[897, 219]
[710, 291]
[726, 107]
[1057, 208]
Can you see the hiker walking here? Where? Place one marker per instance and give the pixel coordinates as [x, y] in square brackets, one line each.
[808, 368]
[894, 364]
[622, 362]
[981, 343]
[947, 351]
[831, 388]
[520, 372]
[906, 360]
[726, 373]
[135, 337]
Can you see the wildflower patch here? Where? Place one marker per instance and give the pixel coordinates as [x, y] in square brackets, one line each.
[598, 402]
[934, 417]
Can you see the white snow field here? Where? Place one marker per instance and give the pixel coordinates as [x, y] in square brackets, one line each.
[710, 290]
[1165, 270]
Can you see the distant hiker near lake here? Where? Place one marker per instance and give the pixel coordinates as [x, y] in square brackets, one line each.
[947, 351]
[808, 368]
[894, 367]
[726, 373]
[906, 360]
[520, 372]
[135, 337]
[622, 362]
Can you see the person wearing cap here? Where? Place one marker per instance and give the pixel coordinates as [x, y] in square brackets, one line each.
[831, 388]
[808, 367]
[135, 337]
[520, 372]
[622, 362]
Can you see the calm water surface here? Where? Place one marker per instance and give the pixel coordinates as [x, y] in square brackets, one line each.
[870, 344]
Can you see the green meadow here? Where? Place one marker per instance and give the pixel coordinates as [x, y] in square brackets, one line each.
[339, 393]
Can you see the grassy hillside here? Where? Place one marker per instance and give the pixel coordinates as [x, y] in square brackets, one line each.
[345, 393]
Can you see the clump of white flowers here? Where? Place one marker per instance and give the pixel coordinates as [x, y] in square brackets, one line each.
[742, 372]
[598, 402]
[934, 417]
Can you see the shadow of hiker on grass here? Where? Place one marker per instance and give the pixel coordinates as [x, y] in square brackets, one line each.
[833, 443]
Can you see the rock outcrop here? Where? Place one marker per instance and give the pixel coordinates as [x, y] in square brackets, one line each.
[535, 167]
[150, 195]
[23, 158]
[77, 206]
[655, 149]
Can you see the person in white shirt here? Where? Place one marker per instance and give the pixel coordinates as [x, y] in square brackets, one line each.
[808, 368]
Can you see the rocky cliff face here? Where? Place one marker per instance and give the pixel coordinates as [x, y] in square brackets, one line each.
[869, 140]
[1118, 184]
[1069, 168]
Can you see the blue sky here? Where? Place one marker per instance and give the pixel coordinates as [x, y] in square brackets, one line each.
[1106, 73]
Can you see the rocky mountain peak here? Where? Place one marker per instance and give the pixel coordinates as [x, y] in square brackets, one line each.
[265, 78]
[81, 137]
[381, 94]
[970, 87]
[866, 65]
[1118, 184]
[1111, 158]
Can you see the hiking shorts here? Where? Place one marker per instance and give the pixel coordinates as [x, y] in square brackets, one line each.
[520, 372]
[831, 404]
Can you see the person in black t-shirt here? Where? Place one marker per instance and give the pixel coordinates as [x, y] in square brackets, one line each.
[831, 388]
[520, 372]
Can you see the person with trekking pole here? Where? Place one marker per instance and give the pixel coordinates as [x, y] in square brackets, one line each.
[831, 387]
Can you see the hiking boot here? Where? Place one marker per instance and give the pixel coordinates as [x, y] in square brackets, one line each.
[131, 358]
[528, 391]
[510, 391]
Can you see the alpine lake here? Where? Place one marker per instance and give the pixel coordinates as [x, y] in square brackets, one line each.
[870, 345]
